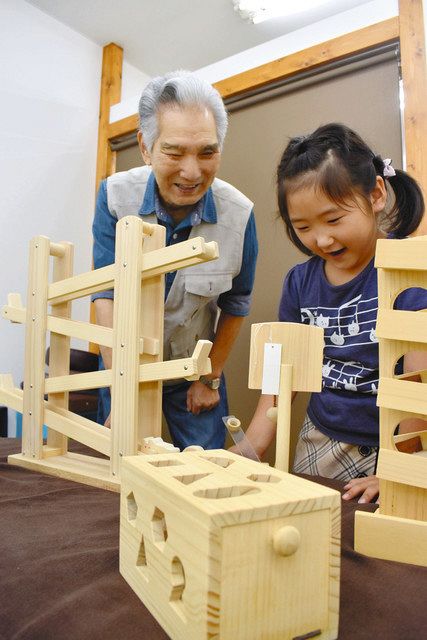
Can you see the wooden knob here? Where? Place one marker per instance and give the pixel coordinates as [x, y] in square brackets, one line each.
[272, 414]
[286, 540]
[233, 424]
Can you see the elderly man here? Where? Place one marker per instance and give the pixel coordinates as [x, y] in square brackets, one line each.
[183, 124]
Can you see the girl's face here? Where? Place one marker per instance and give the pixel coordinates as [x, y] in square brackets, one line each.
[344, 236]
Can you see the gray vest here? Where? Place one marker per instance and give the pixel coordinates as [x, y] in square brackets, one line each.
[191, 306]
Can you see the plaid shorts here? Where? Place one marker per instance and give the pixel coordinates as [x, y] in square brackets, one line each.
[318, 455]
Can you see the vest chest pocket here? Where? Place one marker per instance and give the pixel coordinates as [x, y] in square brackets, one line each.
[208, 286]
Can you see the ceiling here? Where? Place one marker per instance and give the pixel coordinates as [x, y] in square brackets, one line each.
[160, 35]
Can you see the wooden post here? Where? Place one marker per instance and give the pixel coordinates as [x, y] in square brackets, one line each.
[125, 367]
[284, 418]
[111, 86]
[35, 348]
[151, 323]
[414, 77]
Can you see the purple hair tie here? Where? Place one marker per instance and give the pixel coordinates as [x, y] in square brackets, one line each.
[388, 171]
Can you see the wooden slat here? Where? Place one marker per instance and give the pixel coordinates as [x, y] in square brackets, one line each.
[390, 538]
[402, 395]
[403, 468]
[406, 255]
[401, 325]
[78, 428]
[178, 256]
[82, 285]
[187, 368]
[70, 424]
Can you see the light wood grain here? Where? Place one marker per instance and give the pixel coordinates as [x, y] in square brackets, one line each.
[226, 580]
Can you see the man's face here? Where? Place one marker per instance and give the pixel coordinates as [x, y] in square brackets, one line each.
[184, 158]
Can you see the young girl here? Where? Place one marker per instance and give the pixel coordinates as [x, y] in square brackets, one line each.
[332, 196]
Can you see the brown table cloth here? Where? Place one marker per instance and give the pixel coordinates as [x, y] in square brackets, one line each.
[59, 576]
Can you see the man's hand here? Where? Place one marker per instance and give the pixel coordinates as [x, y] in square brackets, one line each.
[367, 488]
[201, 398]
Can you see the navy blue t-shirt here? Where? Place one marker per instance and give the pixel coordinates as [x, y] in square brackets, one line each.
[345, 409]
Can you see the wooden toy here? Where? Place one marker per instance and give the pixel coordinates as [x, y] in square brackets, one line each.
[137, 276]
[218, 546]
[398, 529]
[300, 369]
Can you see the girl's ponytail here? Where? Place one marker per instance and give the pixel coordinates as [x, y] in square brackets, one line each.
[408, 208]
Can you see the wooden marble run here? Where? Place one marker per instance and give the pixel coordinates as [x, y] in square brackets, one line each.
[219, 547]
[141, 260]
[299, 369]
[398, 529]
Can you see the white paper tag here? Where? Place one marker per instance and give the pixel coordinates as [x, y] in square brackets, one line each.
[271, 369]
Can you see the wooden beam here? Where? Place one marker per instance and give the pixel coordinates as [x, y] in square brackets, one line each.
[349, 44]
[414, 77]
[311, 58]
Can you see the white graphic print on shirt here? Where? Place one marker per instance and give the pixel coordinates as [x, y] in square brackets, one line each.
[348, 329]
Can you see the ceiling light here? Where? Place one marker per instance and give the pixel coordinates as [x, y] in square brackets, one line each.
[259, 10]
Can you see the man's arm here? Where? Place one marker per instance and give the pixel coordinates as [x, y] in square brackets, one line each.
[234, 306]
[199, 396]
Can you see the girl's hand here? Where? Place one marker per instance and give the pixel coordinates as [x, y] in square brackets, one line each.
[367, 488]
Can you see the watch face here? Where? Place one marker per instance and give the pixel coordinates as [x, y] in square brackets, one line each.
[212, 383]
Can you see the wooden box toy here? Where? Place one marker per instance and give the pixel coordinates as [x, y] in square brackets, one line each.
[221, 547]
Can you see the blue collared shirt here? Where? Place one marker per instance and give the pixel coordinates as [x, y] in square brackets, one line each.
[236, 301]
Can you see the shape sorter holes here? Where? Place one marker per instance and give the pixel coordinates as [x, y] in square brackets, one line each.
[141, 560]
[218, 493]
[220, 461]
[408, 296]
[168, 462]
[417, 359]
[158, 526]
[190, 478]
[414, 441]
[178, 580]
[264, 477]
[178, 586]
[132, 507]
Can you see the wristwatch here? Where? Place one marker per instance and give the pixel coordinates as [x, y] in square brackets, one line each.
[212, 383]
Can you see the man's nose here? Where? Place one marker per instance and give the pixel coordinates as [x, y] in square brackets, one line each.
[190, 168]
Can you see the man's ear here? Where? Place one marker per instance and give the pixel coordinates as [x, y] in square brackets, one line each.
[379, 195]
[144, 151]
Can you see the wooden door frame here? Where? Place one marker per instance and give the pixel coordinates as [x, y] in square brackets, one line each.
[406, 29]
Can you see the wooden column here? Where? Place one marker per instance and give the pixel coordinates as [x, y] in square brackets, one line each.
[111, 87]
[414, 76]
[35, 347]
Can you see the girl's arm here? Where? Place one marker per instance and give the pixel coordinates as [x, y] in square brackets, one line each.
[261, 430]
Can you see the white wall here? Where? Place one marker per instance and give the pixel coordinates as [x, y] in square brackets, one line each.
[49, 101]
[338, 25]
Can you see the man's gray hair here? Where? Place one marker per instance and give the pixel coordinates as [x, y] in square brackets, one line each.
[182, 89]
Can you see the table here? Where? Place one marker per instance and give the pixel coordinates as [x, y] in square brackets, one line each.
[59, 560]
